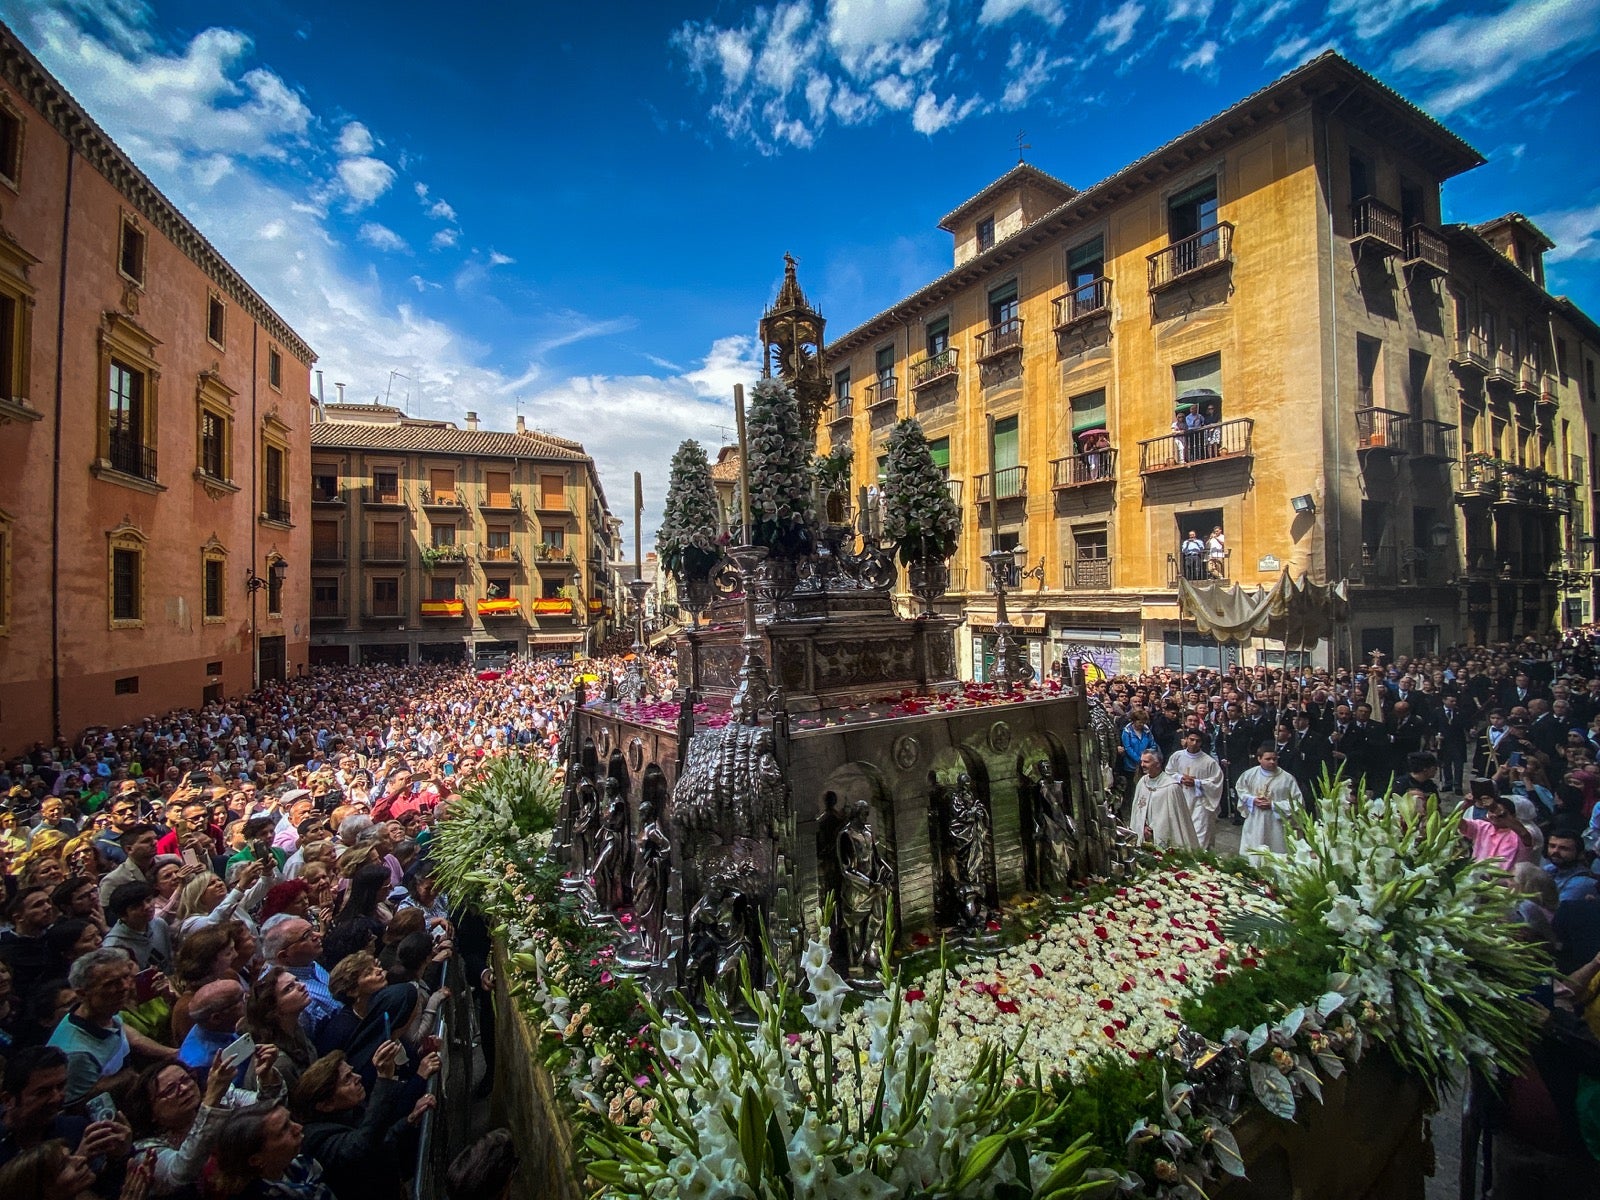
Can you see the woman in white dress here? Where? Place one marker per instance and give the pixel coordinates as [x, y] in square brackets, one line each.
[1267, 797]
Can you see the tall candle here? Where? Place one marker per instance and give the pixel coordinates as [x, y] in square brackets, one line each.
[638, 522]
[744, 462]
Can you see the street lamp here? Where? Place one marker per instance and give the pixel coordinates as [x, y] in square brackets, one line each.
[1004, 565]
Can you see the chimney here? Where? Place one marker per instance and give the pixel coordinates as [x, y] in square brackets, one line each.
[472, 422]
[339, 387]
[319, 387]
[522, 424]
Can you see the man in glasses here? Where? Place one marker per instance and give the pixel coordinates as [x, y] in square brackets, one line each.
[124, 813]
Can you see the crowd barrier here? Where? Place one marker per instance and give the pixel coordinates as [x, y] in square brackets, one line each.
[447, 1129]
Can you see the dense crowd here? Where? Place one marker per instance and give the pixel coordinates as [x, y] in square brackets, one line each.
[224, 952]
[1504, 739]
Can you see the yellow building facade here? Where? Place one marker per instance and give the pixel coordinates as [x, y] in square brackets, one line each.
[1280, 273]
[436, 543]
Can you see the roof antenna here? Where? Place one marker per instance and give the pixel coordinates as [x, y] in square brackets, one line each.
[393, 375]
[1022, 145]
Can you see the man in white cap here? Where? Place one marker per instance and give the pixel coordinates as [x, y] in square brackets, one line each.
[295, 806]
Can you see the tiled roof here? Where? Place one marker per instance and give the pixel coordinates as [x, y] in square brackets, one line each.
[442, 439]
[1021, 173]
[1328, 74]
[727, 464]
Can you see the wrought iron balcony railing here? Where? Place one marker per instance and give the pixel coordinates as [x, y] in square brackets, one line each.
[1197, 568]
[933, 368]
[1207, 250]
[127, 453]
[1078, 470]
[1426, 251]
[1196, 447]
[1092, 299]
[1002, 338]
[1011, 483]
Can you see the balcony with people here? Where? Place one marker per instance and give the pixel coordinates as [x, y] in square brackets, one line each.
[1199, 435]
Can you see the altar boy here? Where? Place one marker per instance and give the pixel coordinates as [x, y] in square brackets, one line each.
[1267, 795]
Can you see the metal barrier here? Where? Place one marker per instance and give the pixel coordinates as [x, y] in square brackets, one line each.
[447, 1130]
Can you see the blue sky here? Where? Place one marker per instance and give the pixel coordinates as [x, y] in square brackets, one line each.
[578, 214]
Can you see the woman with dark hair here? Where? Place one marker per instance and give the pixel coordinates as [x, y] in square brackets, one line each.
[51, 1171]
[177, 1121]
[258, 1156]
[272, 1017]
[359, 925]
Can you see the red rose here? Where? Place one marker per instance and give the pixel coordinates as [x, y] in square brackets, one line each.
[1100, 932]
[914, 994]
[1105, 1004]
[1006, 1006]
[1038, 971]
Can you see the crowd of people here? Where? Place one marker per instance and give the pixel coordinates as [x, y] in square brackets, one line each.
[223, 951]
[1504, 739]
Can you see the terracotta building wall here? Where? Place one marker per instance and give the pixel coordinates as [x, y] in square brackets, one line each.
[60, 657]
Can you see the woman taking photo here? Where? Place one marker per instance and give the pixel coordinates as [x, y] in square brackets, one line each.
[272, 1018]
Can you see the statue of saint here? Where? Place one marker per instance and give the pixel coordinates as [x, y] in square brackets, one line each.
[971, 836]
[585, 824]
[652, 872]
[865, 882]
[719, 940]
[1054, 835]
[611, 875]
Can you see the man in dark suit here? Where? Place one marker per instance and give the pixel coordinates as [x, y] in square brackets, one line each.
[1366, 750]
[1407, 732]
[1520, 690]
[1549, 728]
[1313, 752]
[1453, 726]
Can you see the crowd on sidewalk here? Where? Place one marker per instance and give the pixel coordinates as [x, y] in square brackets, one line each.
[223, 950]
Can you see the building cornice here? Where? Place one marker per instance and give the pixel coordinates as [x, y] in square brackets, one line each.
[40, 89]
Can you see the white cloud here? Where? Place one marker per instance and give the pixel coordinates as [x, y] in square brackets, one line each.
[365, 179]
[496, 259]
[1471, 56]
[354, 139]
[381, 237]
[444, 239]
[1188, 10]
[1575, 231]
[1028, 75]
[1372, 19]
[931, 114]
[423, 285]
[894, 92]
[1117, 27]
[1201, 60]
[994, 12]
[440, 211]
[1297, 49]
[177, 108]
[783, 76]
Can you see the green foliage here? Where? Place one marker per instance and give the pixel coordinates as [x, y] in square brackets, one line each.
[1111, 1096]
[1251, 995]
[779, 470]
[687, 539]
[920, 517]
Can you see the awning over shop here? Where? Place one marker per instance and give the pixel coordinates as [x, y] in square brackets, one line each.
[555, 639]
[1023, 622]
[1296, 612]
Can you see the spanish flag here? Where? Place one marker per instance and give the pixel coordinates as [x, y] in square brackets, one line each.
[503, 607]
[557, 606]
[444, 608]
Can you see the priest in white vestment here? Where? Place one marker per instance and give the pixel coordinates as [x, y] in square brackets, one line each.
[1202, 781]
[1268, 795]
[1160, 812]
